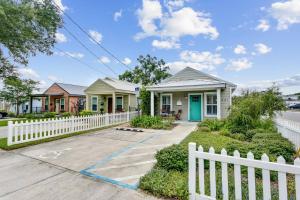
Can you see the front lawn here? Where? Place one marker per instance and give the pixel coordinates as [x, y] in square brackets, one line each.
[5, 122]
[169, 177]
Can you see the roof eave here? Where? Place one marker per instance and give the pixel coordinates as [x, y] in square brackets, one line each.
[186, 88]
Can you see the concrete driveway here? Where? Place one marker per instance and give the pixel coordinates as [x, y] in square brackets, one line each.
[106, 165]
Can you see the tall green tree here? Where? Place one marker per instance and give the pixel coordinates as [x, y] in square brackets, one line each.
[28, 27]
[18, 91]
[150, 70]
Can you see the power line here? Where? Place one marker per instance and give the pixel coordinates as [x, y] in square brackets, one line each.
[80, 61]
[90, 51]
[85, 32]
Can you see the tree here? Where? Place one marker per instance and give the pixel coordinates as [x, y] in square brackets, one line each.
[150, 70]
[27, 28]
[18, 91]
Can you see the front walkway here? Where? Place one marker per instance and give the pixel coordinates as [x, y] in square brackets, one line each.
[83, 167]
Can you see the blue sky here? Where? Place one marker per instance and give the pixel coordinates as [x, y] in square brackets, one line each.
[252, 43]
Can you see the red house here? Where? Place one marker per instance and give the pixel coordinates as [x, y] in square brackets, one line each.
[61, 97]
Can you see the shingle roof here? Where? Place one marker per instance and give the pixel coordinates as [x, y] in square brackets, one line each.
[73, 89]
[120, 85]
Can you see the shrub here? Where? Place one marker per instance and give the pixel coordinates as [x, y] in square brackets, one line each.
[212, 124]
[85, 113]
[11, 114]
[66, 114]
[204, 129]
[146, 121]
[174, 157]
[49, 114]
[169, 184]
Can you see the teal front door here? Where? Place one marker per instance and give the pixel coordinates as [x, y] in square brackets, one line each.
[195, 108]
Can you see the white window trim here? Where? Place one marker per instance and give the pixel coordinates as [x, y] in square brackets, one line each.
[202, 104]
[171, 101]
[205, 104]
[122, 102]
[92, 103]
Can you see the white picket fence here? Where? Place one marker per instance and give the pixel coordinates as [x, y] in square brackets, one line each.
[289, 129]
[20, 132]
[237, 161]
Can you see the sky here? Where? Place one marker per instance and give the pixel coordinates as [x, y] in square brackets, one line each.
[252, 43]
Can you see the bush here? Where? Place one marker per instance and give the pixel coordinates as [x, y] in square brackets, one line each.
[85, 113]
[66, 114]
[212, 124]
[169, 184]
[174, 157]
[11, 114]
[155, 122]
[204, 129]
[49, 114]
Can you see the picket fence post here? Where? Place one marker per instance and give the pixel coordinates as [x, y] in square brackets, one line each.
[10, 133]
[192, 171]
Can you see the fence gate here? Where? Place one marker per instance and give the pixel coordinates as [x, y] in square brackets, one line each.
[264, 165]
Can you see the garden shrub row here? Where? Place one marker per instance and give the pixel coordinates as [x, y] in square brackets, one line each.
[154, 122]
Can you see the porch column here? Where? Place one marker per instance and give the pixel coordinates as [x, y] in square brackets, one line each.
[114, 102]
[152, 103]
[87, 103]
[219, 103]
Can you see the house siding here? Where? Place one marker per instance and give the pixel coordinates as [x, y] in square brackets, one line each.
[99, 87]
[183, 96]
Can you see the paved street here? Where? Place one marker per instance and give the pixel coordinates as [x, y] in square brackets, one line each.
[291, 115]
[106, 165]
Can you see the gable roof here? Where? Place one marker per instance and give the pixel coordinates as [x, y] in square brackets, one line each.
[189, 77]
[120, 85]
[111, 84]
[76, 90]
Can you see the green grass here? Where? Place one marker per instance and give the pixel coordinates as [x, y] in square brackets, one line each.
[5, 122]
[3, 141]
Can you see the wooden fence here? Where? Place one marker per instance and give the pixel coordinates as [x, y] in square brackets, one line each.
[20, 132]
[264, 165]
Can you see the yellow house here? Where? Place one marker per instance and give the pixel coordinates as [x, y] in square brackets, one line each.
[111, 95]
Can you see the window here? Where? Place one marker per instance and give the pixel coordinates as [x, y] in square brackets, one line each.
[47, 104]
[119, 103]
[166, 103]
[95, 104]
[62, 104]
[211, 104]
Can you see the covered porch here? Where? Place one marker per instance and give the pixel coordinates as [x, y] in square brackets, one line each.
[110, 102]
[50, 103]
[189, 105]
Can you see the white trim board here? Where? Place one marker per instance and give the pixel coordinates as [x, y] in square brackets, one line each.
[171, 100]
[202, 104]
[205, 104]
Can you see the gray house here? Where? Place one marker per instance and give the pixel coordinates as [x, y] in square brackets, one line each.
[194, 94]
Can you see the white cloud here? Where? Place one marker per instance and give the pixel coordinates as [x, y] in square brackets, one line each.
[28, 73]
[118, 15]
[198, 60]
[147, 15]
[165, 44]
[240, 49]
[96, 36]
[239, 64]
[173, 24]
[263, 25]
[262, 48]
[72, 54]
[104, 59]
[219, 48]
[60, 37]
[286, 13]
[60, 5]
[174, 4]
[187, 21]
[126, 61]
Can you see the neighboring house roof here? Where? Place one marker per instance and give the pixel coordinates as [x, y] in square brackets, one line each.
[109, 85]
[120, 85]
[74, 90]
[192, 79]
